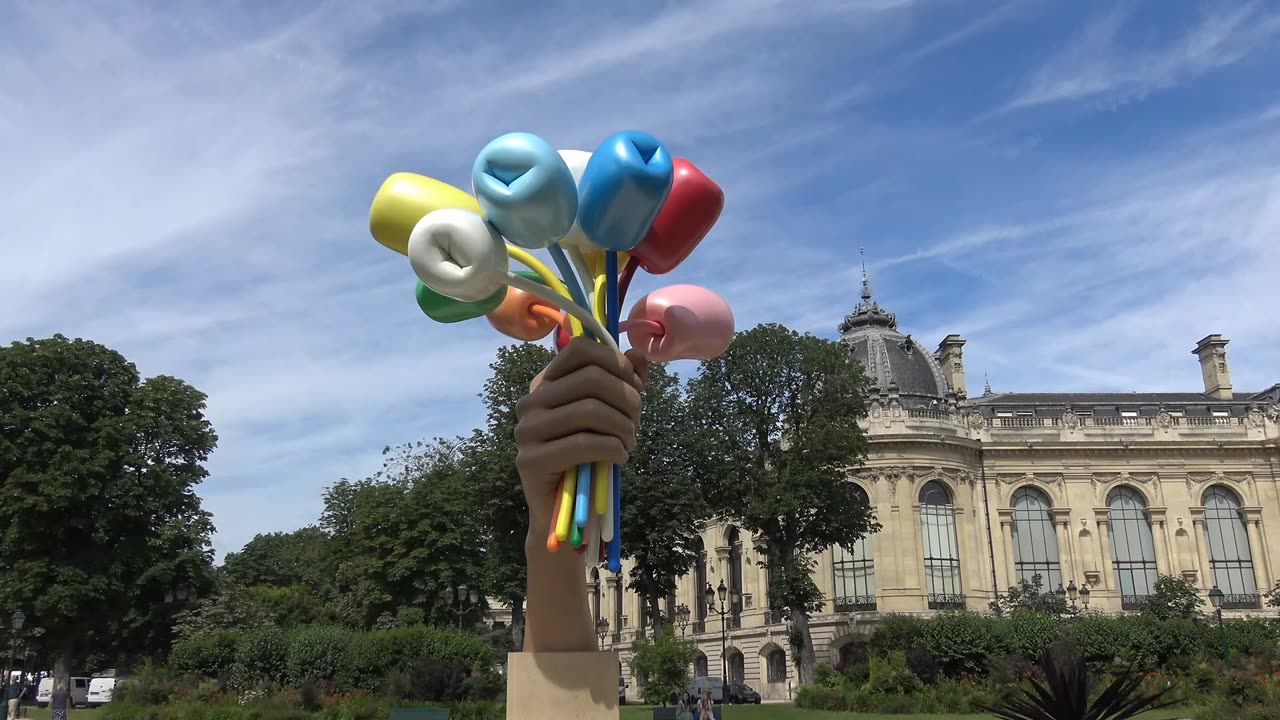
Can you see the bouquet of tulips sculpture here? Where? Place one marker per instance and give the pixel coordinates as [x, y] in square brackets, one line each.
[601, 216]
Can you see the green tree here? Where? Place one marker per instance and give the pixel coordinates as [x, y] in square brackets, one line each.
[98, 470]
[302, 557]
[1273, 596]
[490, 459]
[661, 666]
[1173, 597]
[777, 431]
[665, 506]
[1031, 595]
[407, 535]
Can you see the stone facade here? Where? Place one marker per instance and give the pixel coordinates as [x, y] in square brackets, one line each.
[1100, 489]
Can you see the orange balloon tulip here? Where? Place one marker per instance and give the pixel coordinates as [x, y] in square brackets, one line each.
[524, 316]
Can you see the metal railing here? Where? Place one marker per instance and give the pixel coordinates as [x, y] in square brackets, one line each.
[946, 601]
[1133, 602]
[1111, 421]
[1241, 602]
[856, 603]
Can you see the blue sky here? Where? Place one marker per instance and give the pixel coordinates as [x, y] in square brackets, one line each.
[1082, 190]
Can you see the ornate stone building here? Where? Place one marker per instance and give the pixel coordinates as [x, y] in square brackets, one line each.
[1107, 490]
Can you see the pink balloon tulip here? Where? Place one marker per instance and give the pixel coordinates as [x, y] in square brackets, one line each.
[692, 323]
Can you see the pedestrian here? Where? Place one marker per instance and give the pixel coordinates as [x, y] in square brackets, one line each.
[16, 691]
[706, 707]
[60, 700]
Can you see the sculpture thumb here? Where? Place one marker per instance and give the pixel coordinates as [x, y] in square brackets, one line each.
[696, 323]
[458, 254]
[525, 189]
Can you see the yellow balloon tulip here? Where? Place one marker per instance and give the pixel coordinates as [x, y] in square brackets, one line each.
[404, 199]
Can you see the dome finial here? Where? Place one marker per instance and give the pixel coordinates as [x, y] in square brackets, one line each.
[986, 390]
[866, 285]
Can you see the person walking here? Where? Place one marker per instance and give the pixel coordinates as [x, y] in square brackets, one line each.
[16, 691]
[60, 700]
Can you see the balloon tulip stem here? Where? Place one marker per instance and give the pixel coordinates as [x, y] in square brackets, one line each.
[551, 298]
[649, 326]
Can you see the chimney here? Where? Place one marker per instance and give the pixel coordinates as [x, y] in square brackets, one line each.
[951, 358]
[1212, 351]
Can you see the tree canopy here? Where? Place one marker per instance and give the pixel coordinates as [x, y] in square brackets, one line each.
[98, 470]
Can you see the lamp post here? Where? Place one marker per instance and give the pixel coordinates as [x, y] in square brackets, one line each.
[710, 595]
[1215, 598]
[1072, 592]
[457, 598]
[682, 618]
[602, 630]
[18, 619]
[1084, 597]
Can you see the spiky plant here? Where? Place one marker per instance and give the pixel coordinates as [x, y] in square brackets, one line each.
[1064, 695]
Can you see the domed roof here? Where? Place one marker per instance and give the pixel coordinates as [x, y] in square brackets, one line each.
[889, 357]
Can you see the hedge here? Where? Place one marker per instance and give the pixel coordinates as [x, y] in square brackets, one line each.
[967, 643]
[328, 653]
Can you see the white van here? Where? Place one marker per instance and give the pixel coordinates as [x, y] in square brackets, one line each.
[100, 689]
[714, 685]
[79, 691]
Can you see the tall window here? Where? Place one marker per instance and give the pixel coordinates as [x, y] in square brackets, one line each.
[1133, 549]
[737, 666]
[776, 664]
[617, 607]
[1035, 544]
[855, 570]
[700, 665]
[700, 582]
[735, 575]
[1229, 558]
[941, 547]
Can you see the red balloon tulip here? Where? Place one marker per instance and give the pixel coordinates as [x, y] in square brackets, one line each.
[562, 338]
[691, 210]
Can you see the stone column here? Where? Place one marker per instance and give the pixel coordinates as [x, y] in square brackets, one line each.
[969, 567]
[1062, 529]
[1160, 540]
[914, 549]
[1257, 548]
[1102, 518]
[1202, 550]
[1009, 556]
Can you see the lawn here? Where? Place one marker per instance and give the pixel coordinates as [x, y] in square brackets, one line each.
[791, 712]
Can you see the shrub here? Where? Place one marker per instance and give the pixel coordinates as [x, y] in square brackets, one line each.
[890, 676]
[1173, 597]
[922, 664]
[963, 642]
[316, 653]
[1245, 637]
[261, 656]
[150, 685]
[894, 633]
[662, 666]
[372, 657]
[1029, 633]
[207, 654]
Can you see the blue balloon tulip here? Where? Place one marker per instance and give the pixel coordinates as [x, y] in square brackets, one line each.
[525, 189]
[622, 189]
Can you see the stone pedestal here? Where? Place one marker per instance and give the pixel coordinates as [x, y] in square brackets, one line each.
[562, 686]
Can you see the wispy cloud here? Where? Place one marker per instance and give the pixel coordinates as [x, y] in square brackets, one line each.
[1106, 65]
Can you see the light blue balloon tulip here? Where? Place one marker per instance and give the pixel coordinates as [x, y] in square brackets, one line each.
[622, 189]
[525, 189]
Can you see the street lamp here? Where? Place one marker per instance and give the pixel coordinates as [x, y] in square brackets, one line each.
[602, 630]
[18, 619]
[682, 617]
[1215, 598]
[457, 598]
[1072, 591]
[1084, 597]
[710, 595]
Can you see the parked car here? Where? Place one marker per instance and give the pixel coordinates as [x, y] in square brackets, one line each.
[101, 688]
[740, 694]
[79, 691]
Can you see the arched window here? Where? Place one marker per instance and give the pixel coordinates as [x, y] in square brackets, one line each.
[855, 570]
[700, 582]
[1133, 549]
[700, 665]
[737, 666]
[941, 547]
[1228, 540]
[735, 575]
[776, 664]
[1035, 544]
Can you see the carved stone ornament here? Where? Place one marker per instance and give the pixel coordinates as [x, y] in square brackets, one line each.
[1255, 417]
[975, 420]
[1196, 482]
[875, 411]
[1070, 419]
[1274, 413]
[891, 474]
[1163, 419]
